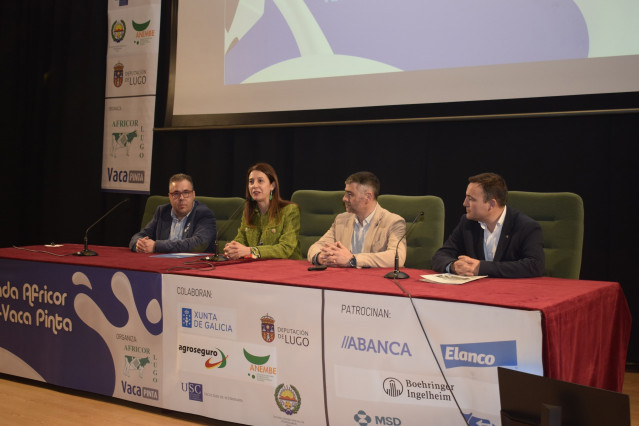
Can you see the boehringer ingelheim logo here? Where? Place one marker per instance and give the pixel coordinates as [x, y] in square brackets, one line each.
[393, 387]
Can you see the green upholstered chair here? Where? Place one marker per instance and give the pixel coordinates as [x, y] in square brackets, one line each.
[222, 207]
[317, 212]
[428, 233]
[152, 204]
[228, 216]
[561, 216]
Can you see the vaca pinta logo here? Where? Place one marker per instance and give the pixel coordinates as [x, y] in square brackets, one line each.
[288, 399]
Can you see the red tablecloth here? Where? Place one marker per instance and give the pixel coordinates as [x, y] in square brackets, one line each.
[586, 324]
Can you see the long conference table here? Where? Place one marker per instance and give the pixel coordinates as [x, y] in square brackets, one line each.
[270, 342]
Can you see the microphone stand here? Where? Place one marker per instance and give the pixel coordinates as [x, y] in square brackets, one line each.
[397, 273]
[216, 257]
[86, 251]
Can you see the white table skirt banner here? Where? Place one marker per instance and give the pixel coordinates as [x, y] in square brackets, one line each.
[381, 370]
[242, 351]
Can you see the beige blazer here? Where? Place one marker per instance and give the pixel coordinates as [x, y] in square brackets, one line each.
[384, 232]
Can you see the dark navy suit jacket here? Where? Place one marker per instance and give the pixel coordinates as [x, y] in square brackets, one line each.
[199, 230]
[519, 252]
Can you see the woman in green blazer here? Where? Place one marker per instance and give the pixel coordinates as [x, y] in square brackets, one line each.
[270, 226]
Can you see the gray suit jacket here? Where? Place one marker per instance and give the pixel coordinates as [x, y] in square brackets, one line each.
[385, 231]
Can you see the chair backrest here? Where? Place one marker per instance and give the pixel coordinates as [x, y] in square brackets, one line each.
[152, 204]
[228, 213]
[561, 216]
[427, 235]
[222, 207]
[317, 212]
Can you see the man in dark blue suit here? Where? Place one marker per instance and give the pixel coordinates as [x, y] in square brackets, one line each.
[184, 225]
[491, 238]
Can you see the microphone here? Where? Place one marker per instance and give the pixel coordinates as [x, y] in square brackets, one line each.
[86, 251]
[215, 257]
[397, 273]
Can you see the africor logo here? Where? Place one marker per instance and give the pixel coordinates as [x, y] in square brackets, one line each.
[220, 364]
[288, 399]
[141, 27]
[118, 74]
[122, 140]
[393, 387]
[268, 328]
[118, 31]
[135, 364]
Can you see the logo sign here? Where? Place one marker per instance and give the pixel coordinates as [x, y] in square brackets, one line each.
[268, 328]
[487, 354]
[187, 318]
[288, 399]
[216, 364]
[118, 74]
[361, 418]
[393, 387]
[194, 390]
[132, 363]
[376, 346]
[118, 31]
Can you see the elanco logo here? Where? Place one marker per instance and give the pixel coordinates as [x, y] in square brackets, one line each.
[487, 354]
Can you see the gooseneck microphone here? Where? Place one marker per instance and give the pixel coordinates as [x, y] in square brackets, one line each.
[86, 251]
[216, 257]
[397, 273]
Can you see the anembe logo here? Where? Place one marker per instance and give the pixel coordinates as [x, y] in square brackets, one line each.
[288, 399]
[487, 354]
[268, 328]
[142, 32]
[258, 370]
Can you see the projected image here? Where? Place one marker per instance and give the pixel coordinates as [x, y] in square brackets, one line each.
[277, 40]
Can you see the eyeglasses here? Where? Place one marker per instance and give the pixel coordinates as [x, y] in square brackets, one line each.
[176, 195]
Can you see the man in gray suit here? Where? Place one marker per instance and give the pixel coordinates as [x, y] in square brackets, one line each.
[366, 235]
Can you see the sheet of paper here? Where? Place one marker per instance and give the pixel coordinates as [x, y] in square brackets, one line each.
[450, 278]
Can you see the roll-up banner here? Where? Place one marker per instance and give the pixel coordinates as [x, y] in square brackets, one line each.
[129, 110]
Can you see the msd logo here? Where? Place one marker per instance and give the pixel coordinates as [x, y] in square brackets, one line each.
[487, 354]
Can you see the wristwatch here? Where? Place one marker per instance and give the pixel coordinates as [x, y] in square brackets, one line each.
[255, 253]
[353, 262]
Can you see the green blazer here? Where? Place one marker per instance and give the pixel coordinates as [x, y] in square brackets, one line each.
[278, 240]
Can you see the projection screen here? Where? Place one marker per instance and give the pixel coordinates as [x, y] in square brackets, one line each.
[247, 62]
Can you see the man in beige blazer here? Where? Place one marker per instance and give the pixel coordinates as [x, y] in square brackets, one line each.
[366, 235]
